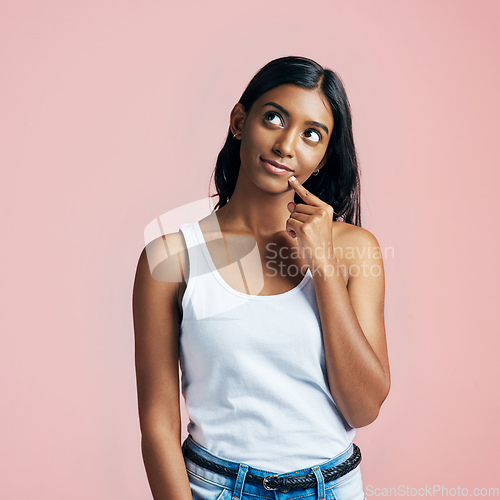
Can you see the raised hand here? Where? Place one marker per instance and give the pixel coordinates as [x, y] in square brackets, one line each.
[311, 223]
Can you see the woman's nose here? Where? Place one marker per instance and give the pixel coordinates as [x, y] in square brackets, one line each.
[285, 144]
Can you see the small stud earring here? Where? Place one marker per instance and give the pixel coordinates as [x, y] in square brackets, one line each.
[234, 136]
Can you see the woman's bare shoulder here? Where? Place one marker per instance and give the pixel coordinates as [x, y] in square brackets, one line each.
[167, 256]
[355, 245]
[346, 234]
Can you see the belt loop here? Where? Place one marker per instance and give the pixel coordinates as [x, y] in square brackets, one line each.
[240, 481]
[321, 482]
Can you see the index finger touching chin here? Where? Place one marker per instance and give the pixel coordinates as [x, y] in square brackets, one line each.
[307, 196]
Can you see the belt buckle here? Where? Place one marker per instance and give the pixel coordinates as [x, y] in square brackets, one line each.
[264, 482]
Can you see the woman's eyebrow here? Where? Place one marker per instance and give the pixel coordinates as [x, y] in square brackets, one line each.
[285, 112]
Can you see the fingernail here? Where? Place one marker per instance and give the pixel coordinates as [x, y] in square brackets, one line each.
[292, 178]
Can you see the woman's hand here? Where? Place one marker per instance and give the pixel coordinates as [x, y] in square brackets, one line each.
[312, 224]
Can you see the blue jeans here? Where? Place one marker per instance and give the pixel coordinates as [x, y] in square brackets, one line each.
[209, 485]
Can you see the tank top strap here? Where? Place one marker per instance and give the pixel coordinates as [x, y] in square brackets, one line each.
[198, 265]
[189, 233]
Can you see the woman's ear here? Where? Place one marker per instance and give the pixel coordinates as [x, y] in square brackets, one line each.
[237, 118]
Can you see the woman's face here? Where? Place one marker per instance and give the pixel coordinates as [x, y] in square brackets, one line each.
[288, 125]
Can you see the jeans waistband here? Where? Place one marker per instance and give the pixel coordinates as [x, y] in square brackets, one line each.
[242, 470]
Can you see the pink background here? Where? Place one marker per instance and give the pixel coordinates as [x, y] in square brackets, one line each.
[112, 113]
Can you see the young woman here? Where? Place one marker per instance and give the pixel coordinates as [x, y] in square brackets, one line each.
[274, 306]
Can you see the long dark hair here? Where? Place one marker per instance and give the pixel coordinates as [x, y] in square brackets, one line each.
[338, 182]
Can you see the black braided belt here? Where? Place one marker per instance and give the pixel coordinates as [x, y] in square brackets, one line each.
[273, 482]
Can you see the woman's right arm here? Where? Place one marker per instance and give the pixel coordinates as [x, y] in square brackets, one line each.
[156, 329]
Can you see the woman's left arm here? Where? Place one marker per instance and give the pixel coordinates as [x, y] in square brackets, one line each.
[352, 316]
[352, 320]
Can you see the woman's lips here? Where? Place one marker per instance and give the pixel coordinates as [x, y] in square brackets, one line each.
[272, 166]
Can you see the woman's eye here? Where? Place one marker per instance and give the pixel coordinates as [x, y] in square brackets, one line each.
[273, 118]
[315, 137]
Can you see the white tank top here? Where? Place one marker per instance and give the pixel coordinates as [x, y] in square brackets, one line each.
[253, 371]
